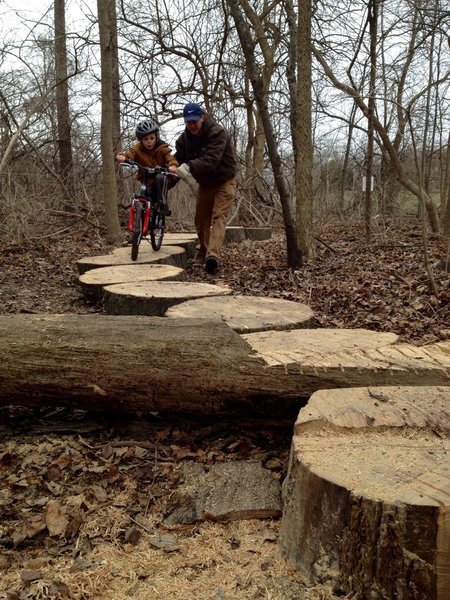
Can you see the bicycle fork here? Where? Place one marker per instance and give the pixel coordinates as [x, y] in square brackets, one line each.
[146, 217]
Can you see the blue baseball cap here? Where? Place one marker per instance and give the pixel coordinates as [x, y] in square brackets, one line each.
[192, 112]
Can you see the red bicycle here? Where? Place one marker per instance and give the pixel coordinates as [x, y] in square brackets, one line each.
[148, 209]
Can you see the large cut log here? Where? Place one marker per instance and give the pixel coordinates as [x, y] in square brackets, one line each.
[367, 495]
[134, 363]
[155, 298]
[247, 313]
[95, 280]
[129, 363]
[168, 255]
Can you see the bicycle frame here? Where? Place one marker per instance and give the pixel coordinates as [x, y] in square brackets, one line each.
[146, 209]
[147, 213]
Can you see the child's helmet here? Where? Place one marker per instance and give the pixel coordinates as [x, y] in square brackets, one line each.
[145, 127]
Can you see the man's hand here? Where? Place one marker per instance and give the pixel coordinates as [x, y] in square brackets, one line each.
[183, 171]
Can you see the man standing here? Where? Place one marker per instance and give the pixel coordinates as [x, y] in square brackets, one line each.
[204, 149]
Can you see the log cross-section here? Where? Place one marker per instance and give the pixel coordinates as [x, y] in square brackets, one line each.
[367, 495]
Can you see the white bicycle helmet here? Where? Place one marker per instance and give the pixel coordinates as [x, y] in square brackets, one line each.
[145, 127]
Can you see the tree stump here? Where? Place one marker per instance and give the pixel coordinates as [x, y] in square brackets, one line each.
[239, 234]
[188, 241]
[95, 280]
[367, 495]
[154, 298]
[247, 314]
[258, 233]
[168, 255]
[234, 234]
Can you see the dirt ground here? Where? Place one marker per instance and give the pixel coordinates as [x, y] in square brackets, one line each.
[83, 496]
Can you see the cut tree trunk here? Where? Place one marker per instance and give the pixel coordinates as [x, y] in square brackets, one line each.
[188, 241]
[168, 255]
[131, 363]
[367, 495]
[154, 298]
[258, 233]
[94, 281]
[239, 234]
[247, 314]
[234, 234]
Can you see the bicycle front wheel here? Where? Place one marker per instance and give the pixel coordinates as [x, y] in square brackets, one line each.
[157, 226]
[136, 234]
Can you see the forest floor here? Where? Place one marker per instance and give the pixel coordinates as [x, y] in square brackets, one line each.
[83, 496]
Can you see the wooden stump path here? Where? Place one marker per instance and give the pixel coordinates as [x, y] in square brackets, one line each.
[94, 281]
[133, 288]
[367, 495]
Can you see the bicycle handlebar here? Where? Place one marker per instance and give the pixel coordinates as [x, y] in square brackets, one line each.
[147, 170]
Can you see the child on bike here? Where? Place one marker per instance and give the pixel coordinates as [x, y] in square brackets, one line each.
[151, 151]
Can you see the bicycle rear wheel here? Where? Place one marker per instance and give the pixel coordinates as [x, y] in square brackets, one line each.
[136, 234]
[157, 226]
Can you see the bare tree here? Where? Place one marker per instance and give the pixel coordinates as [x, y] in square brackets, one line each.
[403, 42]
[62, 98]
[302, 139]
[248, 47]
[113, 232]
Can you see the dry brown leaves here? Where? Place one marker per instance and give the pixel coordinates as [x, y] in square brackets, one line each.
[383, 286]
[83, 500]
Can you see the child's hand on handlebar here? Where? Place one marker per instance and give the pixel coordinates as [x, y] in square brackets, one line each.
[121, 158]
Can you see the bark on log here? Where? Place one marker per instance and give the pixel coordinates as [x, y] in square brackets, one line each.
[218, 494]
[129, 363]
[154, 298]
[132, 364]
[367, 495]
[168, 255]
[247, 314]
[94, 281]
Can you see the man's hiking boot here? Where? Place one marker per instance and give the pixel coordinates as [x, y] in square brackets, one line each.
[211, 265]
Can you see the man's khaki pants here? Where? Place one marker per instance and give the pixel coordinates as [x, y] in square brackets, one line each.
[213, 205]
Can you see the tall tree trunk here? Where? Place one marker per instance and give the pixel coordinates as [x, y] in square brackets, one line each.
[372, 17]
[113, 233]
[445, 209]
[62, 99]
[303, 138]
[295, 258]
[348, 146]
[115, 77]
